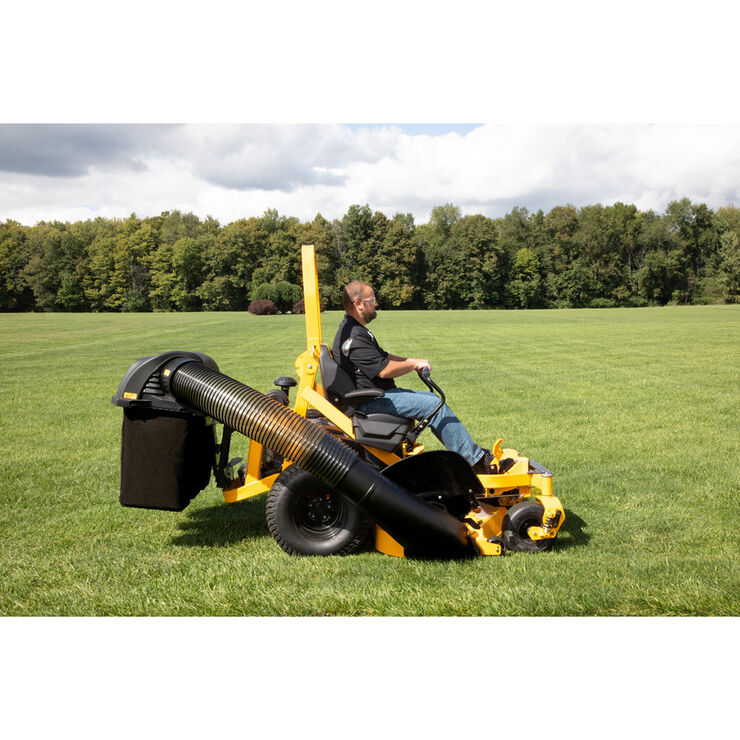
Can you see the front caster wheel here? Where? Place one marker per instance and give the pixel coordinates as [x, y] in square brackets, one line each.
[517, 521]
[307, 517]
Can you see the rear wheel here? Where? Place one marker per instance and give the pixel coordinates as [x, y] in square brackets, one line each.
[517, 521]
[307, 517]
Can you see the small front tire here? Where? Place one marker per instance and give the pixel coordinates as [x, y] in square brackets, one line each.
[517, 521]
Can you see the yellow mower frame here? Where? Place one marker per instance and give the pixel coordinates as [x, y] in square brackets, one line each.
[521, 481]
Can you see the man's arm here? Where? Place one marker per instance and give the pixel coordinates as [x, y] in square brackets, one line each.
[398, 366]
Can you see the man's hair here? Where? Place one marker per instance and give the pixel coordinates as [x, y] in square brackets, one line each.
[351, 292]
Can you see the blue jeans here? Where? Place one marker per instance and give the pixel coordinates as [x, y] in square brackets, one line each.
[447, 428]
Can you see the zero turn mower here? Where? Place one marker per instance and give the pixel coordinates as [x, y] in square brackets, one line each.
[336, 479]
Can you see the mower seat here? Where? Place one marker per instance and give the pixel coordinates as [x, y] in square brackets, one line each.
[385, 431]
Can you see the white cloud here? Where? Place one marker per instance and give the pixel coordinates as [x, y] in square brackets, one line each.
[278, 157]
[59, 150]
[231, 172]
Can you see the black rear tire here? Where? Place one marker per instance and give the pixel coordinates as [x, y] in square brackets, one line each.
[517, 521]
[307, 517]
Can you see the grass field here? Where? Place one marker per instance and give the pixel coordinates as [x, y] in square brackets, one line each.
[636, 411]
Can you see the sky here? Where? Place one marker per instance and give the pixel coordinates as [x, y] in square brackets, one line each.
[74, 171]
[287, 106]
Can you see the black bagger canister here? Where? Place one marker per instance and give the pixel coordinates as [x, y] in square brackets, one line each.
[166, 458]
[167, 449]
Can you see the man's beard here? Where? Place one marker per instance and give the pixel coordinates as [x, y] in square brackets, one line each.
[370, 316]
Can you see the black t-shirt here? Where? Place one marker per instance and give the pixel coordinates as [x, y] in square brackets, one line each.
[358, 352]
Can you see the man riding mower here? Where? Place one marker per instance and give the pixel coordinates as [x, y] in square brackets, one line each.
[338, 474]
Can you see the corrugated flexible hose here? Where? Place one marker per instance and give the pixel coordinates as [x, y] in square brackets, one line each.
[420, 528]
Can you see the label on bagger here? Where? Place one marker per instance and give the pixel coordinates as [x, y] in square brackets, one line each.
[130, 395]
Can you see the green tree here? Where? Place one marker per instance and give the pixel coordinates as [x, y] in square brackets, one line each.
[472, 269]
[515, 232]
[654, 234]
[526, 286]
[397, 264]
[593, 256]
[288, 294]
[163, 281]
[596, 243]
[283, 294]
[406, 220]
[96, 283]
[229, 263]
[722, 269]
[558, 251]
[560, 226]
[434, 243]
[265, 292]
[319, 232]
[693, 227]
[442, 219]
[727, 219]
[576, 285]
[730, 266]
[661, 276]
[356, 232]
[370, 255]
[129, 279]
[176, 225]
[15, 293]
[189, 267]
[70, 296]
[42, 271]
[623, 225]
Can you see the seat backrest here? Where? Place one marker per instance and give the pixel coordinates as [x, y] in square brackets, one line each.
[335, 380]
[384, 431]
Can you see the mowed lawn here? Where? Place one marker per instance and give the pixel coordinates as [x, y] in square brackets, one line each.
[636, 412]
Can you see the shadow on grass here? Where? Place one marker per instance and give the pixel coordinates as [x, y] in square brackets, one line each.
[224, 524]
[572, 532]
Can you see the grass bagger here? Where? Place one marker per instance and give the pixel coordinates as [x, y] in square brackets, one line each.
[336, 479]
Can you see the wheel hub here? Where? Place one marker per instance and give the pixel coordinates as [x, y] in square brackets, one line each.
[319, 511]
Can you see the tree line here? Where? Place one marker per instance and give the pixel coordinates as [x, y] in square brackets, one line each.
[594, 256]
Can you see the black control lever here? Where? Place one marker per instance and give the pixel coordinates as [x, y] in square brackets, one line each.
[426, 376]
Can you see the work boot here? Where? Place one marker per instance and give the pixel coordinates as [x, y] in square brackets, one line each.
[485, 465]
[505, 464]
